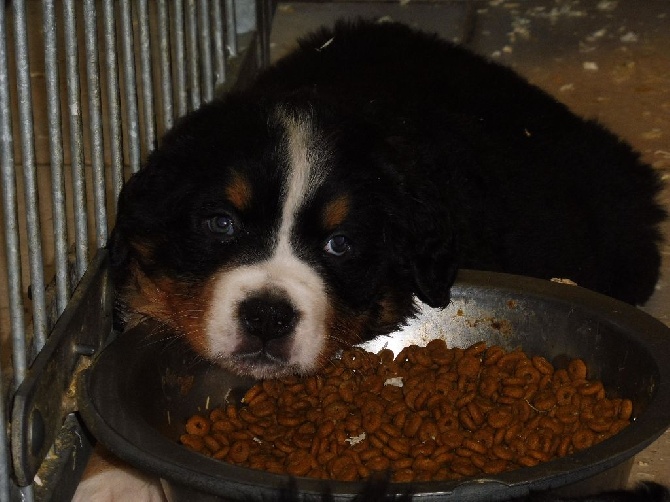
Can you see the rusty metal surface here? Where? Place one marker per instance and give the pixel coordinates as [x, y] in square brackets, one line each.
[46, 394]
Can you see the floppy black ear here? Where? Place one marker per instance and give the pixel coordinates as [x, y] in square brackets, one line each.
[434, 260]
[118, 249]
[117, 246]
[429, 250]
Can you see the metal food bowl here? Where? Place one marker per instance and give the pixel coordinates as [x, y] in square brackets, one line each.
[140, 390]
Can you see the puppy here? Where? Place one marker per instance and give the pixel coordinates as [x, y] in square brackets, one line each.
[308, 212]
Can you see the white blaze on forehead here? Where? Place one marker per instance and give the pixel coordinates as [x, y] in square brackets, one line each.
[306, 171]
[284, 272]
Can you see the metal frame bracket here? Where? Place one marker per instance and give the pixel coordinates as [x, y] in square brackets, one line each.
[47, 394]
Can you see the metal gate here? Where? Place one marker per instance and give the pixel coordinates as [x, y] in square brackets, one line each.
[86, 89]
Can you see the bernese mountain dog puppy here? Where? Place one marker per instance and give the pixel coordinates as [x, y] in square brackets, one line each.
[309, 211]
[306, 212]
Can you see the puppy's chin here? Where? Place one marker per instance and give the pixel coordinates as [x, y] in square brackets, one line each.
[276, 359]
[261, 367]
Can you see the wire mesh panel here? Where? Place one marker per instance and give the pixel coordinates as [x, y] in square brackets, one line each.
[86, 89]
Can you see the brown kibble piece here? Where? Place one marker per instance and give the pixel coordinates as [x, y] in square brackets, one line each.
[198, 425]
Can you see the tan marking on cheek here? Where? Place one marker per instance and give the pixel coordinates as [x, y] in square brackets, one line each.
[143, 296]
[179, 306]
[192, 314]
[335, 212]
[239, 191]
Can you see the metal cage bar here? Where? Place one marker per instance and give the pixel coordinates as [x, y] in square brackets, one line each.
[68, 140]
[56, 158]
[180, 57]
[33, 225]
[218, 36]
[192, 53]
[167, 100]
[76, 137]
[205, 50]
[147, 75]
[113, 97]
[231, 23]
[130, 86]
[13, 259]
[95, 121]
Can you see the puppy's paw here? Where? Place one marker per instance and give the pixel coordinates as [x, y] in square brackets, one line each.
[107, 479]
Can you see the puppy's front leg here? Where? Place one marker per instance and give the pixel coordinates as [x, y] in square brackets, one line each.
[108, 479]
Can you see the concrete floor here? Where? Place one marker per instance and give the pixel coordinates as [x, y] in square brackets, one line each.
[608, 60]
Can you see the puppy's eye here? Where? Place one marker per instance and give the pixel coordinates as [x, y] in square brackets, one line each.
[337, 245]
[222, 225]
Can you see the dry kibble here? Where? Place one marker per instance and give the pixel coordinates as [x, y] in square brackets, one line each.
[577, 369]
[198, 425]
[192, 441]
[431, 413]
[626, 410]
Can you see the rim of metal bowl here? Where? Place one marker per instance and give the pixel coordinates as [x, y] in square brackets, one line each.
[143, 446]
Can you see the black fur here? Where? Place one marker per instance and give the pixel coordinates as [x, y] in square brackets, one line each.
[520, 182]
[454, 161]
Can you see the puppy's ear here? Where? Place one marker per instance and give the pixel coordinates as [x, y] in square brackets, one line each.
[117, 246]
[118, 250]
[127, 224]
[429, 250]
[434, 260]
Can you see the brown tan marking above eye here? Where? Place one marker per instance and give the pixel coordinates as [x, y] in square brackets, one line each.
[335, 212]
[239, 191]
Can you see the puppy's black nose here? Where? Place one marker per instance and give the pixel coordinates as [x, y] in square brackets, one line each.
[267, 316]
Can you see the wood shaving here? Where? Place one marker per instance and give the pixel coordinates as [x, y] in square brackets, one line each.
[395, 381]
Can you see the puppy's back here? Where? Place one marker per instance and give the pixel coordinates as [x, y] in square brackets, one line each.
[533, 188]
